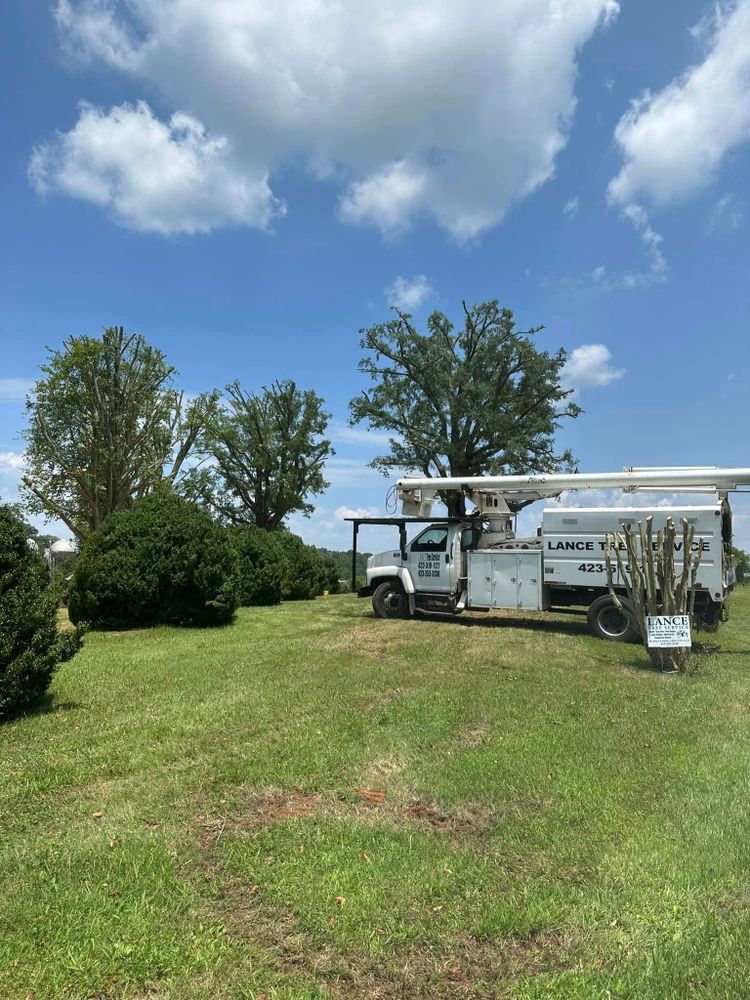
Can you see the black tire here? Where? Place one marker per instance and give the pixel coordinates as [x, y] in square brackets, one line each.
[606, 621]
[390, 601]
[709, 617]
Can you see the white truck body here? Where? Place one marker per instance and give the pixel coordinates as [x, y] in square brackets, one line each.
[574, 543]
[450, 567]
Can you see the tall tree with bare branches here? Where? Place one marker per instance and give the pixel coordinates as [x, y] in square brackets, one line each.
[106, 427]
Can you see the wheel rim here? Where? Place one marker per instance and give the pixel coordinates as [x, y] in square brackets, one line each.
[394, 602]
[612, 622]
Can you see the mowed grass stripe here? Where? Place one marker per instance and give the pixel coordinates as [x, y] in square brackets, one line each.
[555, 820]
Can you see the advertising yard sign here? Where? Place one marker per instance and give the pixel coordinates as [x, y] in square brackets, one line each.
[668, 630]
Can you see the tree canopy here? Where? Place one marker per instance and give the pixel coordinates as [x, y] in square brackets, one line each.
[480, 399]
[106, 427]
[266, 454]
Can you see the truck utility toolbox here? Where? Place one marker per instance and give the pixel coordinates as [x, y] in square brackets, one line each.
[509, 578]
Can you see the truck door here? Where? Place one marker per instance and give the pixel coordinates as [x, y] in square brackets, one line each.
[432, 560]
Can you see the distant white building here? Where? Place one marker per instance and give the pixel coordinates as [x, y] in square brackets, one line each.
[61, 548]
[59, 553]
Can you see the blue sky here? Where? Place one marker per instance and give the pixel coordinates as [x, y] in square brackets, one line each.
[249, 184]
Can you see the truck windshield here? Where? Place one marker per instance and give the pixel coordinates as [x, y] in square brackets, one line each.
[431, 540]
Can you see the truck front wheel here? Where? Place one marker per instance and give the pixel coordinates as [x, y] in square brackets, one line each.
[607, 621]
[390, 601]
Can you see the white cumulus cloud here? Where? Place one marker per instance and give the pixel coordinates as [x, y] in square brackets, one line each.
[386, 199]
[415, 108]
[11, 461]
[153, 176]
[590, 365]
[408, 294]
[674, 141]
[343, 512]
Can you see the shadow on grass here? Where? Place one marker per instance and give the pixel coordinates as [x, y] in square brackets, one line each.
[528, 624]
[571, 627]
[46, 705]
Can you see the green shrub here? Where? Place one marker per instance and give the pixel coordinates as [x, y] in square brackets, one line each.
[332, 572]
[305, 572]
[164, 561]
[261, 565]
[63, 580]
[31, 646]
[741, 565]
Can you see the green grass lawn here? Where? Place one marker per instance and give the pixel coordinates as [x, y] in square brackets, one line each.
[315, 803]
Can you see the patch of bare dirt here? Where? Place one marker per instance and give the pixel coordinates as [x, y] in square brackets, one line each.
[372, 796]
[430, 815]
[279, 806]
[259, 809]
[466, 967]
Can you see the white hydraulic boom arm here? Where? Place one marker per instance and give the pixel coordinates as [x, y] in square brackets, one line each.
[494, 493]
[714, 479]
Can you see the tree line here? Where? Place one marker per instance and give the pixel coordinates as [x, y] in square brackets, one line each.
[108, 426]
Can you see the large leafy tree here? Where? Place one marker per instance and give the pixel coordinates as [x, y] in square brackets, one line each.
[463, 402]
[266, 454]
[106, 427]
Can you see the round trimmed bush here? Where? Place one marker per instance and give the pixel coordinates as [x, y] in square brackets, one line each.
[305, 572]
[261, 565]
[31, 646]
[163, 562]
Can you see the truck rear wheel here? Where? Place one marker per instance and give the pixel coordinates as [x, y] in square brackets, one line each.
[607, 621]
[390, 601]
[709, 617]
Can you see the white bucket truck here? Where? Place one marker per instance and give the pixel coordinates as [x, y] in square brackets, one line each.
[476, 562]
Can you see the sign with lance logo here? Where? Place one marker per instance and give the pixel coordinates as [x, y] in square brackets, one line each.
[668, 630]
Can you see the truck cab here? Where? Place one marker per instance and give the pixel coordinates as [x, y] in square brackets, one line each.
[429, 572]
[456, 564]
